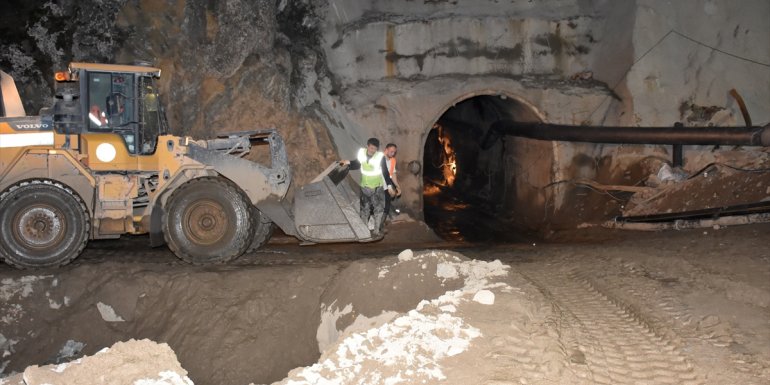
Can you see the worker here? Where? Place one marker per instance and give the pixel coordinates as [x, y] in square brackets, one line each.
[97, 116]
[390, 159]
[375, 183]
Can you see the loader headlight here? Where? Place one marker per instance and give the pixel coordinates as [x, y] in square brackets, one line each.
[105, 152]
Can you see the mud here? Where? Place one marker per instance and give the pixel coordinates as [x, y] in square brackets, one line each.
[228, 325]
[687, 308]
[675, 307]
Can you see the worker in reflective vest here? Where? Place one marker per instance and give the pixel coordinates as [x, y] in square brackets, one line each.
[375, 183]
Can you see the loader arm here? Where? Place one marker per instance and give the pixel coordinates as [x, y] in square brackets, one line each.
[225, 155]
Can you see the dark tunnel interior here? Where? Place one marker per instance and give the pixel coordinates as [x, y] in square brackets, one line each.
[470, 176]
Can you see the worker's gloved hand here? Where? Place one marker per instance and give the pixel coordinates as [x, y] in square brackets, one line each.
[398, 192]
[391, 192]
[344, 163]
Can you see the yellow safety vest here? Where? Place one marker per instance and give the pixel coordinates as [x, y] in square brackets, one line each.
[371, 169]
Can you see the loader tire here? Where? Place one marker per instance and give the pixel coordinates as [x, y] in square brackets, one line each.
[208, 220]
[262, 232]
[42, 224]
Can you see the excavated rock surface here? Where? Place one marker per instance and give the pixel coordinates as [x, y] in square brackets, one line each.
[658, 310]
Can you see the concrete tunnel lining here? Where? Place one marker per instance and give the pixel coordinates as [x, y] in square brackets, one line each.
[403, 112]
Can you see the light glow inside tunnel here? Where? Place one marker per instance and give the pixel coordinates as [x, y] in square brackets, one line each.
[444, 159]
[469, 180]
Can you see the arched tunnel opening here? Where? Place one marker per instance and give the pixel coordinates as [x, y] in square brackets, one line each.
[476, 183]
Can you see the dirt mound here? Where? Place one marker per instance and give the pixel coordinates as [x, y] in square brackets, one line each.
[141, 362]
[395, 347]
[370, 292]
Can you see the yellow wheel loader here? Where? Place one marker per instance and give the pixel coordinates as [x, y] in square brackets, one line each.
[99, 163]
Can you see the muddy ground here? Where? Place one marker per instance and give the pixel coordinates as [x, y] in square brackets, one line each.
[601, 307]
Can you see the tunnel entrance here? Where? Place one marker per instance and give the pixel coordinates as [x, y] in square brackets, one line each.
[477, 184]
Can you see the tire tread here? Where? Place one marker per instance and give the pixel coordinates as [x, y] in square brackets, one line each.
[241, 242]
[83, 210]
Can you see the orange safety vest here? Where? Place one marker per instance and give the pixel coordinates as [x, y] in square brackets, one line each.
[391, 165]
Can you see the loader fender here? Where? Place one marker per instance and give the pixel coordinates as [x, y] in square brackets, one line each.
[156, 225]
[59, 165]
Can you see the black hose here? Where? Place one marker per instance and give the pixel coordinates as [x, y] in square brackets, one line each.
[736, 136]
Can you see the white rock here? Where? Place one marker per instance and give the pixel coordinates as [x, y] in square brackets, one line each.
[484, 297]
[108, 313]
[406, 255]
[446, 271]
[70, 349]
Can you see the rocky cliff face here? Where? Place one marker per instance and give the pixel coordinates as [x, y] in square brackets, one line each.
[234, 66]
[227, 66]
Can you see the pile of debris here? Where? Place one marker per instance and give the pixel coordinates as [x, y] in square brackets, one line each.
[142, 362]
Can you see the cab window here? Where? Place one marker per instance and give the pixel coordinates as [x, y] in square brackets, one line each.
[111, 105]
[149, 109]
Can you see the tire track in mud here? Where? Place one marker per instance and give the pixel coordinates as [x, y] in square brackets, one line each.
[650, 292]
[669, 311]
[617, 346]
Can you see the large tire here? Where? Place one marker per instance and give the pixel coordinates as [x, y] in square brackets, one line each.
[42, 224]
[208, 220]
[262, 232]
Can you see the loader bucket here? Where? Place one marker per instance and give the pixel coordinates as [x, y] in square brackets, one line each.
[327, 209]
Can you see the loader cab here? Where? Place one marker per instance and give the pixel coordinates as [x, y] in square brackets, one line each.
[110, 98]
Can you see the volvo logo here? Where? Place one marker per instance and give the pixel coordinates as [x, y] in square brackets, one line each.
[32, 126]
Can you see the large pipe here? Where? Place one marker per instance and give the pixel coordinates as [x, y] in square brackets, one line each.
[736, 136]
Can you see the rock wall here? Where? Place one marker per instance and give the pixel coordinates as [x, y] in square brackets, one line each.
[682, 70]
[227, 66]
[232, 66]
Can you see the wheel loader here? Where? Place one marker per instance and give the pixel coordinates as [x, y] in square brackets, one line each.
[100, 163]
